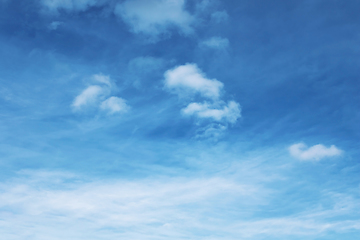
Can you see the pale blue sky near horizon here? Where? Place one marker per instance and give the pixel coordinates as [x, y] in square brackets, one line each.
[179, 119]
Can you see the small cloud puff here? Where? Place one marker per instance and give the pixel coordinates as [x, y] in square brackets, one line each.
[216, 43]
[154, 17]
[94, 95]
[89, 96]
[229, 113]
[314, 153]
[114, 105]
[189, 77]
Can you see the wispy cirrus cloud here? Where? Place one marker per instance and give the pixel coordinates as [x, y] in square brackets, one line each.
[44, 203]
[317, 152]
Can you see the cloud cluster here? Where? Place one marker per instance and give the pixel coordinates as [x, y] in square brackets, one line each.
[314, 153]
[188, 79]
[97, 96]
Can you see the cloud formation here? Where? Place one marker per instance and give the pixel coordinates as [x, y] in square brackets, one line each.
[95, 96]
[314, 153]
[154, 17]
[114, 105]
[43, 204]
[187, 80]
[229, 113]
[190, 79]
[89, 96]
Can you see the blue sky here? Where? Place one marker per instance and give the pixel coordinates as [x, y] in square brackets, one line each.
[179, 119]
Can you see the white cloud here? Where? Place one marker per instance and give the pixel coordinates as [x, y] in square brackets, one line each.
[189, 78]
[229, 113]
[88, 97]
[216, 43]
[94, 96]
[315, 152]
[154, 17]
[163, 208]
[56, 205]
[114, 105]
[102, 79]
[69, 5]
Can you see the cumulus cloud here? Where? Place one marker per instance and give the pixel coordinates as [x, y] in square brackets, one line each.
[316, 152]
[190, 78]
[216, 43]
[114, 105]
[154, 17]
[89, 96]
[94, 96]
[230, 113]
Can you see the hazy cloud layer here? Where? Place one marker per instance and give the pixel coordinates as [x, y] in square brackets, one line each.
[216, 43]
[154, 17]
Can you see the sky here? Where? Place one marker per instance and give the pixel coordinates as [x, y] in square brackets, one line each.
[179, 119]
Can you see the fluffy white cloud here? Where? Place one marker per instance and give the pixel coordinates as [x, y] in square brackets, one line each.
[316, 152]
[229, 113]
[94, 96]
[189, 78]
[89, 96]
[69, 5]
[154, 17]
[114, 105]
[216, 43]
